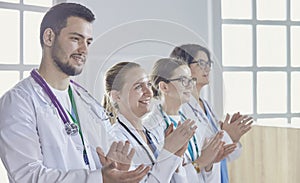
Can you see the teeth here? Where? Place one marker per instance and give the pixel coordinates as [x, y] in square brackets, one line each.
[78, 58]
[145, 102]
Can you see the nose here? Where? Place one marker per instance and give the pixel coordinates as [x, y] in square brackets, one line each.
[148, 91]
[83, 47]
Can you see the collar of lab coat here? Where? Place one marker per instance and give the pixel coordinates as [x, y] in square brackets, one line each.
[135, 133]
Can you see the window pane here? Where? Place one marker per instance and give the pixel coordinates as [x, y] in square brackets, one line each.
[46, 3]
[11, 78]
[271, 9]
[26, 74]
[271, 92]
[295, 91]
[271, 40]
[238, 95]
[32, 46]
[295, 121]
[11, 1]
[273, 122]
[295, 45]
[236, 9]
[10, 36]
[295, 13]
[237, 45]
[3, 174]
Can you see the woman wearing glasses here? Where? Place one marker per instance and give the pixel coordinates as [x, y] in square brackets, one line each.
[172, 86]
[128, 91]
[198, 109]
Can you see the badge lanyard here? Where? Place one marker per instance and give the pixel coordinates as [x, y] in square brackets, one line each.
[74, 116]
[183, 118]
[139, 142]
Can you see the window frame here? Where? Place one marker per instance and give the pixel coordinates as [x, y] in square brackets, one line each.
[215, 41]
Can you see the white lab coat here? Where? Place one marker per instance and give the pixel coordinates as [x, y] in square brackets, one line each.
[34, 144]
[205, 131]
[165, 164]
[154, 121]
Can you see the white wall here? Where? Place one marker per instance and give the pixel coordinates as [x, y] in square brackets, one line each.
[140, 31]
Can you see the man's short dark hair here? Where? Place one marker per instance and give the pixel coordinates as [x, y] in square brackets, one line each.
[56, 17]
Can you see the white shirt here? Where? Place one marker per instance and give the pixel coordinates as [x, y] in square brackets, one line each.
[34, 144]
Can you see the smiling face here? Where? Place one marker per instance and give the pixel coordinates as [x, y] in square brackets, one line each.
[176, 91]
[70, 48]
[135, 96]
[199, 72]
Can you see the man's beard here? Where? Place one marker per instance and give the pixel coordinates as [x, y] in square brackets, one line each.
[66, 67]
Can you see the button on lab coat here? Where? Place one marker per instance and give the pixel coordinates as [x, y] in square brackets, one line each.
[34, 144]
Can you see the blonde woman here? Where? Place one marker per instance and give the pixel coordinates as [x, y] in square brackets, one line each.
[131, 98]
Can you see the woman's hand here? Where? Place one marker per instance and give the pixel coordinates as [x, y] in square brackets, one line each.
[211, 150]
[176, 140]
[237, 127]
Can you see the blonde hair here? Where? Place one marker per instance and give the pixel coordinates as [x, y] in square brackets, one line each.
[115, 80]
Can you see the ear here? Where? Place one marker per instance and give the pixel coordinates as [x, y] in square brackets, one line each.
[48, 37]
[163, 87]
[115, 96]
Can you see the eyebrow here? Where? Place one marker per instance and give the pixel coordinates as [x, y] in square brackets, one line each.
[80, 35]
[141, 81]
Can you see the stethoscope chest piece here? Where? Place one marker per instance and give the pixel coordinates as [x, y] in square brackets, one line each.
[71, 129]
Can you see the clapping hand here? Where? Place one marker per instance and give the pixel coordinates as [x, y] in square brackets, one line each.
[117, 163]
[178, 138]
[237, 127]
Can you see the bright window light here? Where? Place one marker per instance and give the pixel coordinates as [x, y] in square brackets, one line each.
[271, 46]
[238, 92]
[32, 46]
[271, 9]
[271, 92]
[10, 36]
[237, 45]
[236, 9]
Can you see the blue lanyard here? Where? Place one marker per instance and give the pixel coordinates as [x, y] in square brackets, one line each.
[183, 118]
[209, 117]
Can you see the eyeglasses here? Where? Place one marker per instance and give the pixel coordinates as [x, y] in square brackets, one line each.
[185, 81]
[202, 63]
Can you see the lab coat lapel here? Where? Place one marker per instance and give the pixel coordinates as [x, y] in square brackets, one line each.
[86, 124]
[132, 129]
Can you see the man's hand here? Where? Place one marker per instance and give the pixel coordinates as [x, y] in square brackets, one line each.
[117, 153]
[117, 163]
[111, 174]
